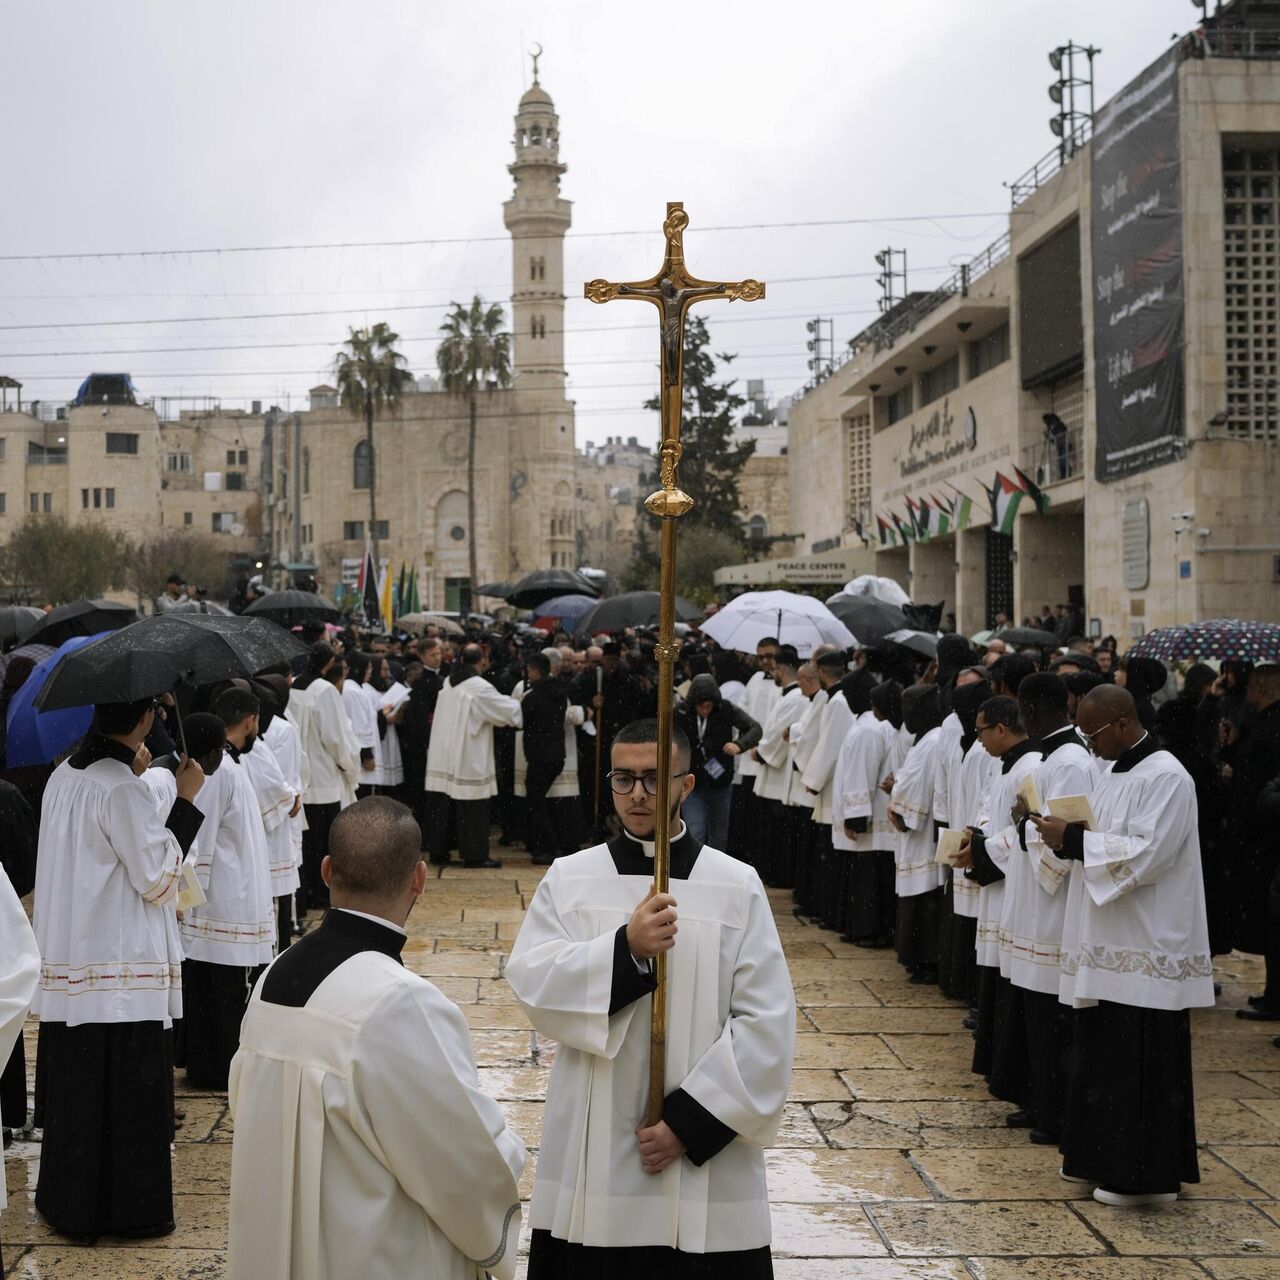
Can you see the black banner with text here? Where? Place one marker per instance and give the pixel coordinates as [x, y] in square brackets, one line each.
[1136, 237]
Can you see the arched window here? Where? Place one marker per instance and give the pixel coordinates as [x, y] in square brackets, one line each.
[306, 471]
[542, 268]
[757, 528]
[533, 268]
[451, 522]
[535, 135]
[361, 465]
[538, 327]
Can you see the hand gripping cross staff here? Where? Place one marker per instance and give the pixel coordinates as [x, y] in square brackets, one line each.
[673, 291]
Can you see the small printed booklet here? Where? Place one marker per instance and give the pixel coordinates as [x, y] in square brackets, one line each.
[1028, 794]
[949, 841]
[190, 894]
[1073, 809]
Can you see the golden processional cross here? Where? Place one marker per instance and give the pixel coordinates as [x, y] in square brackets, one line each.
[673, 291]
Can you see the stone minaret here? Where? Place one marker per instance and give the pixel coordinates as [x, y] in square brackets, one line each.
[537, 218]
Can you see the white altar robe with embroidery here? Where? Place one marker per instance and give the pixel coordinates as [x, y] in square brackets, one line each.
[364, 1104]
[285, 740]
[773, 748]
[1135, 931]
[802, 741]
[820, 768]
[275, 799]
[19, 971]
[860, 768]
[758, 697]
[730, 1039]
[967, 801]
[912, 799]
[1033, 909]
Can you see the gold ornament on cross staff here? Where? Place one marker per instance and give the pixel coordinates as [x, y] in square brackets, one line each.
[673, 291]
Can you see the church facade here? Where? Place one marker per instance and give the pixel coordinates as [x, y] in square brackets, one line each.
[317, 471]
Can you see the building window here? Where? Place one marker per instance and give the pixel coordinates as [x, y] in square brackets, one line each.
[235, 480]
[361, 465]
[187, 519]
[35, 504]
[178, 462]
[939, 381]
[46, 502]
[898, 405]
[535, 135]
[122, 442]
[353, 530]
[757, 529]
[306, 471]
[380, 529]
[986, 353]
[111, 499]
[538, 327]
[2, 444]
[84, 499]
[243, 459]
[2, 504]
[223, 520]
[39, 455]
[859, 470]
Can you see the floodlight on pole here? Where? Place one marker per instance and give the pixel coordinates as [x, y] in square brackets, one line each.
[1069, 124]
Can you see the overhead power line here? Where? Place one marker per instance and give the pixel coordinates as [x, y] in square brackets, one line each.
[444, 240]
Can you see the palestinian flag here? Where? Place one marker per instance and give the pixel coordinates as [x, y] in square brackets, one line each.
[367, 587]
[888, 534]
[906, 528]
[1004, 506]
[943, 508]
[962, 510]
[1037, 495]
[919, 519]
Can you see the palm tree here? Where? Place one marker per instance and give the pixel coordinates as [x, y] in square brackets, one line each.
[475, 350]
[371, 377]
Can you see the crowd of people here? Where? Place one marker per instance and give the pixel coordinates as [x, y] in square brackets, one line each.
[1062, 838]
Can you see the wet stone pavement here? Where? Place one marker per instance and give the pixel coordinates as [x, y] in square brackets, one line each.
[893, 1163]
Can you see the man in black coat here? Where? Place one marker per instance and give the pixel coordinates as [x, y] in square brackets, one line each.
[425, 682]
[543, 708]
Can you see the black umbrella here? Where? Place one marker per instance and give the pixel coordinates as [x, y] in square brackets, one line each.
[631, 609]
[545, 584]
[1028, 636]
[499, 590]
[152, 656]
[869, 619]
[79, 618]
[289, 608]
[17, 618]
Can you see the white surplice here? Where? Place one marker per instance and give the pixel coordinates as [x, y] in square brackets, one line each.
[275, 798]
[236, 925]
[758, 697]
[773, 748]
[460, 760]
[1135, 931]
[328, 741]
[947, 769]
[1032, 913]
[967, 803]
[364, 1107]
[730, 1039]
[916, 870]
[107, 880]
[388, 764]
[19, 972]
[285, 741]
[820, 768]
[860, 768]
[802, 741]
[1001, 795]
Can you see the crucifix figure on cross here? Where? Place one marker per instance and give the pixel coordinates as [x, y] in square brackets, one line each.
[673, 291]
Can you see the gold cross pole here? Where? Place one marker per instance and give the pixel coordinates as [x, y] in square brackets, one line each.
[673, 291]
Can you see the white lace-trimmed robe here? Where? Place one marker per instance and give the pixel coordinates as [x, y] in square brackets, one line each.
[819, 772]
[107, 880]
[566, 783]
[285, 741]
[460, 760]
[329, 742]
[860, 768]
[19, 972]
[947, 776]
[801, 744]
[967, 801]
[773, 748]
[1034, 904]
[730, 1040]
[364, 724]
[758, 697]
[365, 1102]
[388, 764]
[275, 799]
[236, 925]
[1135, 931]
[917, 870]
[994, 818]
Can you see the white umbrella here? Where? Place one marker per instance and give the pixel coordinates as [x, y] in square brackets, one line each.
[868, 584]
[794, 619]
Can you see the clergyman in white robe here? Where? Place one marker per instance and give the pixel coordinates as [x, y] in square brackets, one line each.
[19, 971]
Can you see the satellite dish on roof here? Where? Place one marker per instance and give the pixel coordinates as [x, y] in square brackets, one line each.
[237, 530]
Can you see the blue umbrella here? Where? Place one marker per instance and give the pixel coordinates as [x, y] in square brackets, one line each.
[38, 737]
[566, 608]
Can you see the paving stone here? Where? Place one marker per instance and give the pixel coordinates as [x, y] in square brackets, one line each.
[1040, 1230]
[508, 1016]
[888, 1020]
[1188, 1227]
[816, 1050]
[202, 1168]
[201, 1219]
[1230, 1084]
[1085, 1269]
[1261, 1165]
[927, 1053]
[809, 994]
[903, 1085]
[203, 1114]
[841, 1177]
[519, 1084]
[105, 1262]
[896, 990]
[824, 1231]
[1240, 1268]
[869, 1269]
[1227, 1120]
[817, 1086]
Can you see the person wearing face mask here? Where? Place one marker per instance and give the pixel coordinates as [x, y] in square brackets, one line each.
[615, 1195]
[232, 934]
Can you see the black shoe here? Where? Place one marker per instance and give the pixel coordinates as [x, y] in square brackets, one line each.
[1042, 1138]
[489, 864]
[924, 978]
[1276, 1042]
[1259, 1014]
[8, 1139]
[1020, 1120]
[1256, 1002]
[970, 1024]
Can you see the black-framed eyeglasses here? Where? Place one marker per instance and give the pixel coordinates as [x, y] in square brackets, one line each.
[1089, 737]
[979, 730]
[624, 783]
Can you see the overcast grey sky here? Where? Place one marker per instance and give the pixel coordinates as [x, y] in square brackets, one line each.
[141, 125]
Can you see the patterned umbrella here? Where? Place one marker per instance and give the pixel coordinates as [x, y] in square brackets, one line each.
[1220, 638]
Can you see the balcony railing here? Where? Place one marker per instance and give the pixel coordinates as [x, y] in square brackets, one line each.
[1235, 42]
[1044, 168]
[1054, 461]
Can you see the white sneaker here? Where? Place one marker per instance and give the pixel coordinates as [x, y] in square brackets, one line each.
[1131, 1200]
[1080, 1182]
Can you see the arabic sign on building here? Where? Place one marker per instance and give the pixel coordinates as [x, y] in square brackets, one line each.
[1137, 275]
